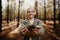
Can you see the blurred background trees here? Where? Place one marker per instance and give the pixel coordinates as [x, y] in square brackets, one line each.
[16, 9]
[13, 8]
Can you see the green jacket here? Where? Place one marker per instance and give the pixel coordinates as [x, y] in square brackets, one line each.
[36, 23]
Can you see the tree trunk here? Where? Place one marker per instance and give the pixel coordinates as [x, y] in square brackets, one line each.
[36, 7]
[59, 10]
[18, 14]
[8, 13]
[0, 17]
[44, 11]
[54, 15]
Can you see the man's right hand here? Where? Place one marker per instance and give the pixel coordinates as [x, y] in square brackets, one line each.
[25, 30]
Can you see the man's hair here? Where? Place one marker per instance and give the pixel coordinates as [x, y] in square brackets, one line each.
[31, 8]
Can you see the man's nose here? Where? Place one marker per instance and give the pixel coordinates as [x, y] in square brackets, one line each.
[30, 13]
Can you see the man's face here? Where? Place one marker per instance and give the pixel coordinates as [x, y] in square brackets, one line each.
[31, 13]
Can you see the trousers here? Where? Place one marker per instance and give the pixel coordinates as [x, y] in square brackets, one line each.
[26, 37]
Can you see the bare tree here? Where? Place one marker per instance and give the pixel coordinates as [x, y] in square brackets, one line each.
[0, 17]
[7, 12]
[59, 10]
[36, 7]
[54, 15]
[44, 12]
[18, 14]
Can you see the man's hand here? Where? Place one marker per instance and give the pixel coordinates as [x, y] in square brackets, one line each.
[35, 31]
[25, 30]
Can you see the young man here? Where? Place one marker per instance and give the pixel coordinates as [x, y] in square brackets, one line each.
[36, 32]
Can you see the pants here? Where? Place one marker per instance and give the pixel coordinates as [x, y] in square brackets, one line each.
[26, 37]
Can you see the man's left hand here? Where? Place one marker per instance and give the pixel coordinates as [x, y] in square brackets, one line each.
[35, 31]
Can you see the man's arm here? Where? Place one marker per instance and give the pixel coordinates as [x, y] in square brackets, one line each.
[39, 28]
[22, 28]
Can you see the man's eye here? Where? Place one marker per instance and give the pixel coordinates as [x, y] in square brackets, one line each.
[30, 11]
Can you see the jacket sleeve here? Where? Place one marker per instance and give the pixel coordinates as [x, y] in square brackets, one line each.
[22, 25]
[41, 30]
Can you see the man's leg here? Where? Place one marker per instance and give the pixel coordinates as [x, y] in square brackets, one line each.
[35, 37]
[26, 37]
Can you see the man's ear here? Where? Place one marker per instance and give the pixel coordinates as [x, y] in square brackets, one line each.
[35, 13]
